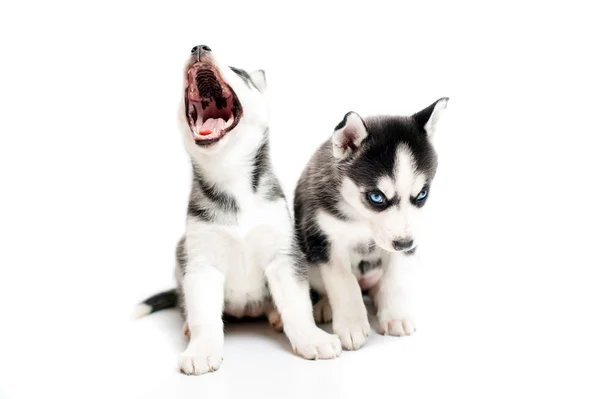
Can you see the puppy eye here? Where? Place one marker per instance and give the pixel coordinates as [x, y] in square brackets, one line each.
[422, 195]
[376, 198]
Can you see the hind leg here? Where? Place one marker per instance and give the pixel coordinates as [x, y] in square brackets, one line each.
[322, 311]
[274, 318]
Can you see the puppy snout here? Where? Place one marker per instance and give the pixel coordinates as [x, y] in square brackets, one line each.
[401, 245]
[200, 50]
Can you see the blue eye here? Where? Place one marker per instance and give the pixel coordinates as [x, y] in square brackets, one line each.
[376, 197]
[422, 195]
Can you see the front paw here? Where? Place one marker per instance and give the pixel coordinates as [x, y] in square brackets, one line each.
[353, 331]
[200, 359]
[317, 344]
[398, 325]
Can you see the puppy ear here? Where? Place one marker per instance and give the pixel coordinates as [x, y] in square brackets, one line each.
[428, 118]
[259, 78]
[348, 136]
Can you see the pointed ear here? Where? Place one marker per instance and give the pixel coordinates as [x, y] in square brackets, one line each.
[428, 118]
[348, 136]
[260, 79]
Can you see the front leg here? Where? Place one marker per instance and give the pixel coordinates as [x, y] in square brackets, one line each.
[290, 293]
[203, 291]
[392, 295]
[203, 286]
[350, 321]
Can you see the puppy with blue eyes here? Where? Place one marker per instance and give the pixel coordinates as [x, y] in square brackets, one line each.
[357, 208]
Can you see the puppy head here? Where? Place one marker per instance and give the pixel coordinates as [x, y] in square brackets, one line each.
[218, 101]
[388, 164]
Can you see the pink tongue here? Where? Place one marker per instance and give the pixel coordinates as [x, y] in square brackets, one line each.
[211, 126]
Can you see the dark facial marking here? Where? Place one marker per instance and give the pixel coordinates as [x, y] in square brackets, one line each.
[378, 156]
[382, 206]
[420, 203]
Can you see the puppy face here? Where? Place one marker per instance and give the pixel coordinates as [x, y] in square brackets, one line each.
[388, 164]
[218, 101]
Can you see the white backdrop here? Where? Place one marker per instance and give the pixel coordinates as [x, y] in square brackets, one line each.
[95, 181]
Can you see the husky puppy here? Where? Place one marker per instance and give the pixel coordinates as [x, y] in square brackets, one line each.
[238, 254]
[357, 207]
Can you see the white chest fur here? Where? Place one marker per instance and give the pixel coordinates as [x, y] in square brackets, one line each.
[242, 251]
[345, 238]
[262, 231]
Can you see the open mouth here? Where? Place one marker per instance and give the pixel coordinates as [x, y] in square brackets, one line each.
[212, 107]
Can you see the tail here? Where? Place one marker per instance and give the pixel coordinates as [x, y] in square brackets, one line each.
[164, 300]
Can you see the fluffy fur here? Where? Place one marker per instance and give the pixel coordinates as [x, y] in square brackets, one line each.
[353, 244]
[238, 254]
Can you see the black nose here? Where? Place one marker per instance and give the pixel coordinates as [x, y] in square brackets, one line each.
[201, 49]
[400, 245]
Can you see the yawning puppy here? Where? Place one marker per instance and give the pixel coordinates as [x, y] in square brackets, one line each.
[238, 254]
[357, 206]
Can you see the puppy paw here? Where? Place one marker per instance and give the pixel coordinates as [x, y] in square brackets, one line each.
[200, 359]
[397, 325]
[322, 311]
[199, 364]
[317, 344]
[353, 331]
[275, 321]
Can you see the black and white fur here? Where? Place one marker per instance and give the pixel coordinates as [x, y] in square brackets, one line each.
[238, 254]
[353, 245]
